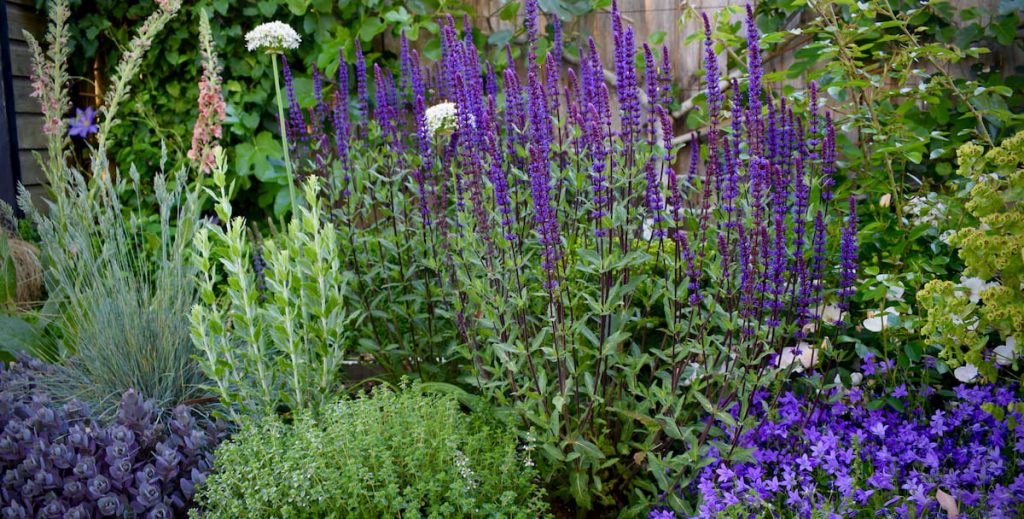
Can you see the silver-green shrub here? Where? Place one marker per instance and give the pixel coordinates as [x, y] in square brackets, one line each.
[276, 336]
[386, 454]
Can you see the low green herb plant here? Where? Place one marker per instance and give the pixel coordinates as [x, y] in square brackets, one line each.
[388, 453]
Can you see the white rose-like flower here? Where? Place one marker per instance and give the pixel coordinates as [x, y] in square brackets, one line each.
[976, 286]
[966, 373]
[272, 37]
[855, 379]
[877, 321]
[1007, 353]
[442, 117]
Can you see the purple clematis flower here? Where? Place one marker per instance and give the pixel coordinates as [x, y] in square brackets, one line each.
[84, 123]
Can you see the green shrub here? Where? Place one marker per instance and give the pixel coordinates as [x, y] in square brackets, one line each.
[280, 332]
[385, 454]
[990, 299]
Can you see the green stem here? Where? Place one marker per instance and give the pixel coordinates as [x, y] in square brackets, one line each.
[284, 135]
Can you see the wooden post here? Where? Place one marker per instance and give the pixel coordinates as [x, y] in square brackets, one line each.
[10, 169]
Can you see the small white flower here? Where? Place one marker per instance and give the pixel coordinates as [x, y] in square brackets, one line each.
[966, 373]
[786, 359]
[1007, 353]
[809, 355]
[831, 314]
[885, 200]
[877, 321]
[648, 229]
[976, 286]
[272, 37]
[894, 293]
[442, 117]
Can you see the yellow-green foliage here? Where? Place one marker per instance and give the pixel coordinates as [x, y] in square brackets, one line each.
[992, 250]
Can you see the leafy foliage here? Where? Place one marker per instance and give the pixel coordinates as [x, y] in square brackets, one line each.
[162, 109]
[277, 335]
[911, 82]
[959, 318]
[384, 454]
[578, 279]
[58, 461]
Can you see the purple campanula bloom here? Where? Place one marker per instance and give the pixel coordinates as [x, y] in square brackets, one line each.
[84, 123]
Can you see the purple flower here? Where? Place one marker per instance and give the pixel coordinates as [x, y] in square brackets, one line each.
[848, 251]
[84, 123]
[364, 95]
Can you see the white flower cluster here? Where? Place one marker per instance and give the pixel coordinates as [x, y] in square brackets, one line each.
[272, 37]
[442, 118]
[462, 463]
[803, 356]
[926, 210]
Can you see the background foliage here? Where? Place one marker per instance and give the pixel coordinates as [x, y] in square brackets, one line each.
[163, 107]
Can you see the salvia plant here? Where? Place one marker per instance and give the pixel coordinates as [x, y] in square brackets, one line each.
[59, 461]
[534, 235]
[280, 331]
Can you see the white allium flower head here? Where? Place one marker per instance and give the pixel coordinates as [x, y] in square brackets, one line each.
[442, 118]
[272, 37]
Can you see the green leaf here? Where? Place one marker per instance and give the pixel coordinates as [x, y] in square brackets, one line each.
[509, 11]
[370, 28]
[587, 449]
[578, 487]
[17, 335]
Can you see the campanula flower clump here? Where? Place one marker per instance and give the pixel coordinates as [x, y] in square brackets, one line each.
[848, 458]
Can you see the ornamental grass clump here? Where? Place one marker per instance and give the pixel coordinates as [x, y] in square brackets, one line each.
[118, 277]
[401, 453]
[535, 238]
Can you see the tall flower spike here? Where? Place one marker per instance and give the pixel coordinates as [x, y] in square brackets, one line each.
[405, 69]
[422, 170]
[848, 251]
[296, 121]
[530, 23]
[754, 68]
[556, 38]
[364, 95]
[711, 75]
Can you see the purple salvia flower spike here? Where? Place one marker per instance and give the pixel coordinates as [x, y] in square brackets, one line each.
[364, 96]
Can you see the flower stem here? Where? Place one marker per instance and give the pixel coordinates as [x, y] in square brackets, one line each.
[284, 136]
